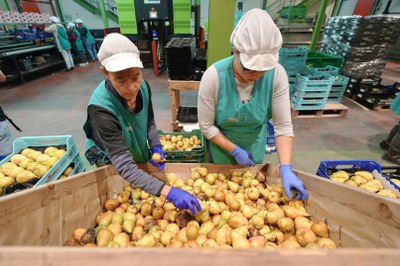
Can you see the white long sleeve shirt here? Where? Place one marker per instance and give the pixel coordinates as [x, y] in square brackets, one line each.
[208, 95]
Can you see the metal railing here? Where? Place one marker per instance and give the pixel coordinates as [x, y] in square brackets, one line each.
[274, 8]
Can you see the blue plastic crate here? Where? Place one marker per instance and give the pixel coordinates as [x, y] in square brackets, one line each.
[77, 164]
[330, 70]
[335, 97]
[357, 165]
[298, 52]
[317, 94]
[293, 65]
[314, 79]
[45, 141]
[387, 171]
[308, 104]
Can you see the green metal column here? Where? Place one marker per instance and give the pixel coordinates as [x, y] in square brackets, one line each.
[103, 13]
[265, 3]
[19, 6]
[5, 5]
[336, 8]
[220, 27]
[318, 24]
[60, 13]
[375, 6]
[127, 16]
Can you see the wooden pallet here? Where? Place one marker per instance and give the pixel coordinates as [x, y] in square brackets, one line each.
[382, 106]
[332, 109]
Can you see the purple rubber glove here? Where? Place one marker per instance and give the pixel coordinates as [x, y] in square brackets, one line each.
[242, 157]
[158, 149]
[183, 200]
[291, 182]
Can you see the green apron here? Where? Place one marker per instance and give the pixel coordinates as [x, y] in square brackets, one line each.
[63, 38]
[243, 124]
[134, 126]
[88, 37]
[78, 42]
[395, 106]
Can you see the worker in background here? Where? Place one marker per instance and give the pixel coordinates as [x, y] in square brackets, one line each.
[239, 94]
[75, 38]
[120, 123]
[6, 140]
[88, 39]
[62, 42]
[392, 143]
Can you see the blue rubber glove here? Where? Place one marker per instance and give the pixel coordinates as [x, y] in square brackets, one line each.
[242, 157]
[291, 182]
[158, 149]
[183, 200]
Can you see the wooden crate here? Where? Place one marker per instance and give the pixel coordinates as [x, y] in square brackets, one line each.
[366, 226]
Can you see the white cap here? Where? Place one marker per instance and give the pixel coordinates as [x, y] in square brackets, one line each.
[54, 19]
[71, 25]
[117, 53]
[258, 40]
[78, 21]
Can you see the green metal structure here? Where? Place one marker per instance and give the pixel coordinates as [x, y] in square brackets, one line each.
[335, 9]
[182, 16]
[5, 5]
[59, 11]
[221, 15]
[265, 4]
[318, 24]
[19, 6]
[127, 16]
[97, 10]
[103, 13]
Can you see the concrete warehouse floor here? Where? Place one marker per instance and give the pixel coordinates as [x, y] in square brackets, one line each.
[56, 105]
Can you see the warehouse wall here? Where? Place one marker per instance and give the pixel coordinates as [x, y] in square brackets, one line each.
[347, 7]
[394, 6]
[72, 11]
[250, 4]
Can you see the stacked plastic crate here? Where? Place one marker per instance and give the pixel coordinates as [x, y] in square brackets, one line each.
[363, 42]
[371, 93]
[294, 61]
[311, 91]
[180, 53]
[339, 84]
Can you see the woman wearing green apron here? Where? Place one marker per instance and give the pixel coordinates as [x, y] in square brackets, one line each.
[392, 143]
[62, 41]
[239, 94]
[75, 38]
[87, 38]
[120, 127]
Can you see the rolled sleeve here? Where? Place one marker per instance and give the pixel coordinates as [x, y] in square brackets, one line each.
[281, 114]
[207, 98]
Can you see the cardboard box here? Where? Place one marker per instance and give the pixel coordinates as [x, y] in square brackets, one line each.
[365, 226]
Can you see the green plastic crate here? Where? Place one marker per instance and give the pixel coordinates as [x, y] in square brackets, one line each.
[318, 59]
[197, 154]
[294, 14]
